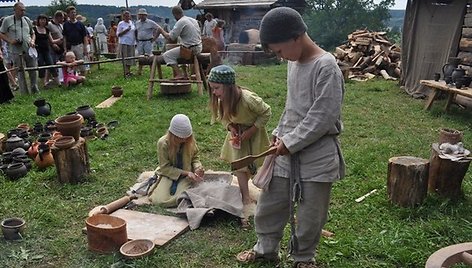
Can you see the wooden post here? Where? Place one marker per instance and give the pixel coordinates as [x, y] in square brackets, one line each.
[72, 164]
[445, 176]
[407, 180]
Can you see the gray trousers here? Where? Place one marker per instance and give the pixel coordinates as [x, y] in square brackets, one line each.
[26, 61]
[272, 215]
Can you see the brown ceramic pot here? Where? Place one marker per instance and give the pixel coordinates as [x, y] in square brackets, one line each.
[65, 142]
[117, 91]
[69, 125]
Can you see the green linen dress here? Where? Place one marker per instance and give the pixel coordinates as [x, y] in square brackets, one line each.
[169, 173]
[251, 110]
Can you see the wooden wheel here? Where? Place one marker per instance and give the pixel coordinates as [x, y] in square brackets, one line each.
[448, 256]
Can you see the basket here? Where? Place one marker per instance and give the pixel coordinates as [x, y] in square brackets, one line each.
[105, 233]
[449, 135]
[176, 88]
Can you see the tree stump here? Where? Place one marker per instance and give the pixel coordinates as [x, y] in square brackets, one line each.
[72, 164]
[445, 175]
[407, 180]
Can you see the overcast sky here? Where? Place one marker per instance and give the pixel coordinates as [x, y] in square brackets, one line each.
[399, 4]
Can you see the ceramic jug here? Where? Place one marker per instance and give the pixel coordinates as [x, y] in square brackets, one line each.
[449, 67]
[43, 108]
[457, 74]
[44, 158]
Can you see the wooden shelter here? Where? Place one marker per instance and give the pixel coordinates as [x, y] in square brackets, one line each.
[433, 31]
[241, 15]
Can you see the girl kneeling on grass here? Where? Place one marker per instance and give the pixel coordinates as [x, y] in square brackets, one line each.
[179, 164]
[69, 70]
[244, 115]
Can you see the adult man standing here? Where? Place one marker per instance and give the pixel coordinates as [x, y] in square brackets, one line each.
[189, 32]
[147, 32]
[75, 36]
[17, 31]
[209, 25]
[57, 50]
[127, 40]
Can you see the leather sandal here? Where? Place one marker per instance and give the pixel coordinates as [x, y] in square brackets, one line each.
[250, 256]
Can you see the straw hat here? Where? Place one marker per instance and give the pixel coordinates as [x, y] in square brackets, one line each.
[142, 11]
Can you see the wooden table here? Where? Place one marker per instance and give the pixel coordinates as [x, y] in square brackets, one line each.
[452, 91]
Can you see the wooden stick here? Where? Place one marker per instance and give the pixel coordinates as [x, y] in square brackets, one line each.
[360, 199]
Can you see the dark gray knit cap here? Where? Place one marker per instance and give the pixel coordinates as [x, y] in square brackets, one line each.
[280, 25]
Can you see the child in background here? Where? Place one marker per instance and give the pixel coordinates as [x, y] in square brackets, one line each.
[179, 164]
[244, 115]
[309, 156]
[218, 35]
[70, 76]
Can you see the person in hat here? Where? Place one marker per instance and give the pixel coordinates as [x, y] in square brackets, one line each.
[244, 115]
[147, 32]
[309, 157]
[179, 163]
[209, 24]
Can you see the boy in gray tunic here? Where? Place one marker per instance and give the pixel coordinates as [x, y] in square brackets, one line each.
[309, 158]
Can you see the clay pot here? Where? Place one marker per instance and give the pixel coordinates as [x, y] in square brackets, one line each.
[44, 137]
[117, 91]
[86, 111]
[65, 142]
[448, 135]
[44, 158]
[437, 76]
[7, 157]
[33, 150]
[69, 125]
[102, 132]
[15, 171]
[14, 142]
[448, 68]
[13, 228]
[86, 132]
[23, 159]
[38, 128]
[24, 126]
[18, 151]
[457, 74]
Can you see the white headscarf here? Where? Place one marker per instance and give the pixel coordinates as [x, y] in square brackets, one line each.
[99, 22]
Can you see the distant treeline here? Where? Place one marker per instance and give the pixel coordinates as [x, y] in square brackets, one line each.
[93, 12]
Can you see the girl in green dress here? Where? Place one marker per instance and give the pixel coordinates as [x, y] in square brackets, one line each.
[244, 115]
[179, 164]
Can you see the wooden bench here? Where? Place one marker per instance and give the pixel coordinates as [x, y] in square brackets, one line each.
[196, 61]
[451, 90]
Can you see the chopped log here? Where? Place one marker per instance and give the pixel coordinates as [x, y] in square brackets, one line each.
[466, 57]
[445, 176]
[363, 41]
[407, 180]
[465, 44]
[386, 76]
[467, 32]
[370, 69]
[340, 53]
[72, 164]
[468, 21]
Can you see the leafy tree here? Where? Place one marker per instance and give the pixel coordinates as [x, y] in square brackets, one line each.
[330, 21]
[59, 5]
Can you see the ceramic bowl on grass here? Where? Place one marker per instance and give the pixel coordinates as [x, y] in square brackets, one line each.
[137, 248]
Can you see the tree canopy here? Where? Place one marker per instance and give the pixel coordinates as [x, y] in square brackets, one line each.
[330, 21]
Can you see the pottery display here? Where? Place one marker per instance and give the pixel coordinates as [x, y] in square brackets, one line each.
[86, 111]
[117, 91]
[16, 170]
[14, 142]
[44, 158]
[69, 125]
[43, 108]
[65, 142]
[13, 228]
[450, 66]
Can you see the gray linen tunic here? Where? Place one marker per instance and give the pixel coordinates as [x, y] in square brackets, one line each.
[311, 120]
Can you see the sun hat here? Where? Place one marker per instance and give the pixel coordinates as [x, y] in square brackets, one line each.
[142, 11]
[222, 74]
[180, 126]
[280, 25]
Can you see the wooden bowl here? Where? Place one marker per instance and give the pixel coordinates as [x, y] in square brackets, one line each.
[175, 88]
[137, 248]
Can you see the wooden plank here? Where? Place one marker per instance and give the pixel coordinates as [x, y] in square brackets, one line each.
[159, 228]
[465, 91]
[108, 102]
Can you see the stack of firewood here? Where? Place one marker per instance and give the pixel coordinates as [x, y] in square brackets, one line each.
[367, 54]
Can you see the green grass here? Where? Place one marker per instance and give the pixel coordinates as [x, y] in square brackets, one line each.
[381, 121]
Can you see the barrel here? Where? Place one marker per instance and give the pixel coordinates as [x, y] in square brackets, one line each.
[105, 233]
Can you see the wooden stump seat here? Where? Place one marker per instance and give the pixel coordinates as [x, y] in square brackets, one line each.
[72, 164]
[407, 180]
[445, 176]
